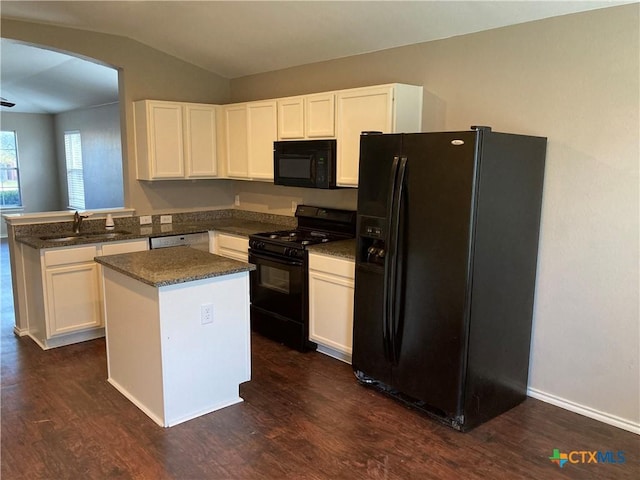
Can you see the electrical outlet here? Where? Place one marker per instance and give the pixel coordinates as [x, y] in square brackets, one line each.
[206, 313]
[294, 205]
[165, 218]
[145, 220]
[237, 201]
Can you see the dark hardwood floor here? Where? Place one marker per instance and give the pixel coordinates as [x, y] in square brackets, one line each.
[304, 417]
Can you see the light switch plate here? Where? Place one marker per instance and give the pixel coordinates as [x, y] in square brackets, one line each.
[294, 205]
[237, 201]
[145, 220]
[165, 218]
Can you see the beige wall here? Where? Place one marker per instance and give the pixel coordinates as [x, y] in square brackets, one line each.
[279, 200]
[145, 73]
[37, 162]
[573, 79]
[100, 138]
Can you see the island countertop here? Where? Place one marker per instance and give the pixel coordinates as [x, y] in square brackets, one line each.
[169, 266]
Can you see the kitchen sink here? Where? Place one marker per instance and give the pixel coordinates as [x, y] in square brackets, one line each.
[60, 239]
[114, 234]
[70, 237]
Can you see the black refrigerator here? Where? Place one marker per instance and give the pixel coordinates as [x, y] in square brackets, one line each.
[447, 243]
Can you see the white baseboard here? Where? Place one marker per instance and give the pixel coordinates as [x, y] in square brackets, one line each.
[603, 417]
[20, 332]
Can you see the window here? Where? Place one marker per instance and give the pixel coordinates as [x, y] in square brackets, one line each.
[9, 174]
[75, 180]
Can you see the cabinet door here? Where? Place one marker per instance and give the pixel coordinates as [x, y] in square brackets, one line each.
[362, 109]
[262, 131]
[200, 141]
[331, 290]
[74, 300]
[291, 118]
[236, 145]
[320, 115]
[231, 246]
[166, 150]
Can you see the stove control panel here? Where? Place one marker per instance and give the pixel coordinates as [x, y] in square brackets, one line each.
[257, 244]
[294, 252]
[276, 248]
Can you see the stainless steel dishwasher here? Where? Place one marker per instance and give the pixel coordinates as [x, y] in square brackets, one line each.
[199, 241]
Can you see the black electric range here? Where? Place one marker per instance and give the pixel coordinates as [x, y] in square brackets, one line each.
[279, 285]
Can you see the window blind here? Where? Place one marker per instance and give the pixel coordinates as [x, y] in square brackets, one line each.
[75, 179]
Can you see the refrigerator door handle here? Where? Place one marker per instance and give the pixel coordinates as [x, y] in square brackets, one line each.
[398, 274]
[388, 265]
[391, 313]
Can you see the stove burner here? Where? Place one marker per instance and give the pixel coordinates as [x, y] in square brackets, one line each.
[299, 237]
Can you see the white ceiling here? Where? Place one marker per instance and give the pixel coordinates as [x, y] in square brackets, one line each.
[43, 81]
[238, 38]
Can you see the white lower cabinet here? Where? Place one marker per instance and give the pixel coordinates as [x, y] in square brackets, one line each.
[229, 245]
[65, 303]
[73, 298]
[331, 290]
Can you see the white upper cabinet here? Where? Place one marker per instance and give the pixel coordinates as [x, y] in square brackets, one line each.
[159, 140]
[200, 141]
[175, 140]
[291, 118]
[236, 140]
[306, 116]
[320, 115]
[262, 128]
[387, 109]
[251, 129]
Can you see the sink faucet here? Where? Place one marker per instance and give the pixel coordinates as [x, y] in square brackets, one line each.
[77, 221]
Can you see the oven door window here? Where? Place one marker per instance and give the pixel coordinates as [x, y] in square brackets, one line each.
[277, 286]
[276, 279]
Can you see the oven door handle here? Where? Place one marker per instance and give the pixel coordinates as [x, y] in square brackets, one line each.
[270, 258]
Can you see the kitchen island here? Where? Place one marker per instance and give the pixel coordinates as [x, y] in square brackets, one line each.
[177, 328]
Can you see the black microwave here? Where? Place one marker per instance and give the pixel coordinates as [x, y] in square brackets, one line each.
[305, 163]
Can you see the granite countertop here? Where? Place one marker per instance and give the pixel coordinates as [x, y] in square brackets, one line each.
[342, 248]
[235, 226]
[170, 266]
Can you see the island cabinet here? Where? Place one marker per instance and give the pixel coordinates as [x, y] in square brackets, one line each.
[175, 140]
[230, 246]
[178, 331]
[331, 290]
[386, 108]
[250, 130]
[64, 299]
[307, 117]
